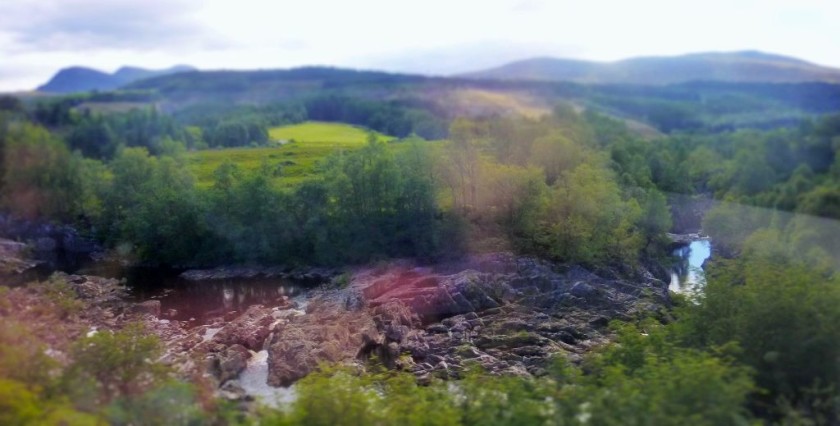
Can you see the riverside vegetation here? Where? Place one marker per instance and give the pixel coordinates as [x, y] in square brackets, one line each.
[578, 189]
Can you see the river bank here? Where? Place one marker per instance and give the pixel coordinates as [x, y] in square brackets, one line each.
[508, 314]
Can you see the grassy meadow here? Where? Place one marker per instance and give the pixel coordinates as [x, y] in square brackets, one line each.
[295, 152]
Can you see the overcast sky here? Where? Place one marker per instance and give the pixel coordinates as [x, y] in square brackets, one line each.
[38, 37]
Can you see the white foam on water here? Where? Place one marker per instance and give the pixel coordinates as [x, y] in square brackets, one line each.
[254, 380]
[209, 333]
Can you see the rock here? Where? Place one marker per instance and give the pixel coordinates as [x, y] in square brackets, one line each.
[250, 329]
[232, 390]
[510, 315]
[582, 290]
[327, 333]
[313, 276]
[230, 362]
[14, 258]
[96, 290]
[151, 307]
[600, 322]
[437, 328]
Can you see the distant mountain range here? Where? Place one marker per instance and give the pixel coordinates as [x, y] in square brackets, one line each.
[740, 67]
[82, 79]
[732, 67]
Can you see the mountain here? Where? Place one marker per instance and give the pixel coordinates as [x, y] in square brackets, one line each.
[82, 79]
[736, 67]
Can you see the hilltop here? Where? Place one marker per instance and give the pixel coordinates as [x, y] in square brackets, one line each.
[736, 67]
[83, 79]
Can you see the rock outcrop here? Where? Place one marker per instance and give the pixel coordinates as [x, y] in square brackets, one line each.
[13, 257]
[327, 333]
[310, 276]
[510, 315]
[507, 314]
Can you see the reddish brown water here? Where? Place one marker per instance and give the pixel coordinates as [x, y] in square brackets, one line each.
[198, 301]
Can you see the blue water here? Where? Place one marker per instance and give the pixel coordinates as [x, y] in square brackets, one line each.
[688, 273]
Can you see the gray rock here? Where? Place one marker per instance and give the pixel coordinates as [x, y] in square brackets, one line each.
[232, 390]
[228, 363]
[151, 307]
[582, 290]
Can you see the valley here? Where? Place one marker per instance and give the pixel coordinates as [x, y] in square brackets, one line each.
[320, 245]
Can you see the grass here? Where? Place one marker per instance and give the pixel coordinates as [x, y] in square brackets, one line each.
[331, 134]
[303, 145]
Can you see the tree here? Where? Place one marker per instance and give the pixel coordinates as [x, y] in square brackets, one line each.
[42, 178]
[144, 190]
[784, 317]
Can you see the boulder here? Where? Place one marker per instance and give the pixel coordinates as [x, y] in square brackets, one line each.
[14, 258]
[327, 333]
[230, 362]
[250, 329]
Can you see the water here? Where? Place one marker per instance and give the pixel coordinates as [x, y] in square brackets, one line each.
[198, 301]
[253, 379]
[687, 274]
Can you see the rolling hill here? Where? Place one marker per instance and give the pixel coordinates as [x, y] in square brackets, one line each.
[82, 79]
[422, 103]
[736, 67]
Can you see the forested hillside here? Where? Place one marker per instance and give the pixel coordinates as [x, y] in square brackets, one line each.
[495, 252]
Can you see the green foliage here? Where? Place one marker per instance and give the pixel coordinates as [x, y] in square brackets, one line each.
[18, 405]
[336, 134]
[61, 295]
[381, 204]
[232, 132]
[42, 178]
[544, 185]
[730, 224]
[144, 190]
[22, 357]
[111, 365]
[643, 379]
[588, 221]
[391, 117]
[305, 146]
[30, 391]
[171, 403]
[350, 402]
[785, 319]
[103, 136]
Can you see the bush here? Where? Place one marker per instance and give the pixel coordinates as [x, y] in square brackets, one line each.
[110, 365]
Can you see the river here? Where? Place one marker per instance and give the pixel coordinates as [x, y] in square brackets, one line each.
[196, 301]
[687, 274]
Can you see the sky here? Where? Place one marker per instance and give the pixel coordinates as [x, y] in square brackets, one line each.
[38, 37]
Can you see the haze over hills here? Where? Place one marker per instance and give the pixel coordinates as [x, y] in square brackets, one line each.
[741, 67]
[667, 94]
[83, 79]
[733, 67]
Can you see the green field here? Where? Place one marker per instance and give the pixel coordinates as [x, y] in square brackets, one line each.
[303, 145]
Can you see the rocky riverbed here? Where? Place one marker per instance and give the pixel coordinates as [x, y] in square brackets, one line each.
[508, 314]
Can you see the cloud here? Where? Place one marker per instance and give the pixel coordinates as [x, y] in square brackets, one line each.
[64, 25]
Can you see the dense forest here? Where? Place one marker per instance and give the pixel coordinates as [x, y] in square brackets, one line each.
[573, 187]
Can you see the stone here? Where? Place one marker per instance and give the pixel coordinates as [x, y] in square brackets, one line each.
[582, 290]
[231, 361]
[232, 390]
[151, 307]
[328, 332]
